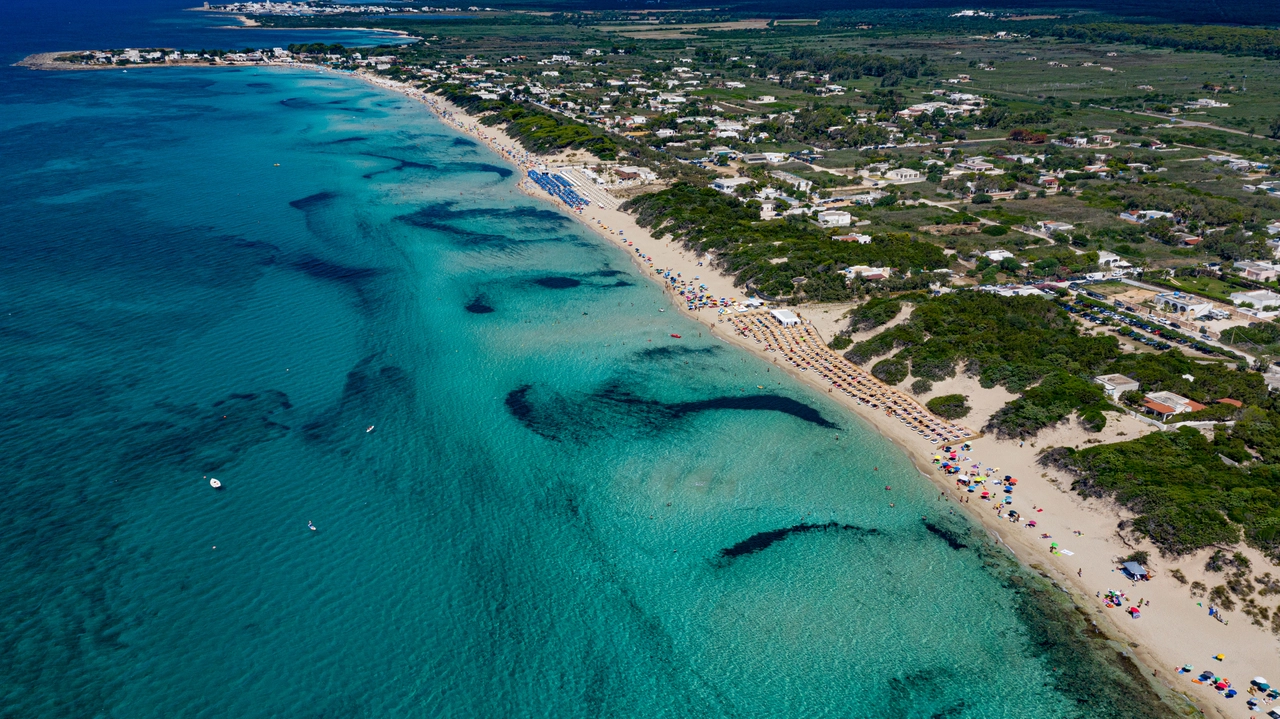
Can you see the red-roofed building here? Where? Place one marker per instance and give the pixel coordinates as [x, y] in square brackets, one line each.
[1167, 404]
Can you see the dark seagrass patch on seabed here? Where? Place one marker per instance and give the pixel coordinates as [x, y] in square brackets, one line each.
[197, 439]
[557, 282]
[761, 541]
[401, 165]
[311, 202]
[325, 270]
[372, 388]
[612, 407]
[441, 217]
[946, 534]
[479, 305]
[499, 170]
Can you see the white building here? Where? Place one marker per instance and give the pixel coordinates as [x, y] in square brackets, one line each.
[1258, 271]
[866, 272]
[904, 175]
[1050, 227]
[801, 184]
[854, 237]
[1112, 260]
[1181, 303]
[1142, 216]
[997, 255]
[1261, 299]
[1167, 404]
[976, 164]
[1116, 384]
[730, 185]
[1018, 291]
[834, 218]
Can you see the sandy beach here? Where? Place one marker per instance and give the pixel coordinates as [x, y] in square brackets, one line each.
[1175, 628]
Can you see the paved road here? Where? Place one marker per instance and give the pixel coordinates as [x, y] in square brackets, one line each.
[1188, 123]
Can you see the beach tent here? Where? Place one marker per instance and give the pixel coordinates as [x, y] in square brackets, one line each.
[1134, 570]
[786, 317]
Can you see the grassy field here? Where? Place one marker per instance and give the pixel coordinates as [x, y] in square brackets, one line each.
[1209, 287]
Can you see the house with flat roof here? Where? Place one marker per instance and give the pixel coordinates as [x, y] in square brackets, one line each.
[1139, 217]
[730, 185]
[1050, 227]
[1261, 299]
[801, 184]
[866, 272]
[1257, 271]
[1116, 384]
[977, 164]
[1181, 303]
[904, 175]
[1166, 405]
[997, 255]
[834, 218]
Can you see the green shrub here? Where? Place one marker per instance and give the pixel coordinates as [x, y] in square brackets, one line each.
[995, 230]
[921, 386]
[1048, 403]
[839, 342]
[890, 371]
[1179, 489]
[1140, 557]
[874, 313]
[949, 406]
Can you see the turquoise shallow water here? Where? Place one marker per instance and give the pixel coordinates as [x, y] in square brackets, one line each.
[561, 511]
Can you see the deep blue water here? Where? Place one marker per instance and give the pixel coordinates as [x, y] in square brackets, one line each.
[46, 25]
[561, 511]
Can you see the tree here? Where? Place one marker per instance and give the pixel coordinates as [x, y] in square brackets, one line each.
[1275, 128]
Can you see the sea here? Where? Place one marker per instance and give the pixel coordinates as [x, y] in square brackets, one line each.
[467, 471]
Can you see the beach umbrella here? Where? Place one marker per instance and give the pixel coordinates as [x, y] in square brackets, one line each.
[1259, 680]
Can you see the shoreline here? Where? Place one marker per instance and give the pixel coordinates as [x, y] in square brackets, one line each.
[1172, 632]
[1158, 643]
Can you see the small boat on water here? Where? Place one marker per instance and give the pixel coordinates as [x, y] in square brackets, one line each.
[367, 431]
[675, 335]
[215, 483]
[311, 526]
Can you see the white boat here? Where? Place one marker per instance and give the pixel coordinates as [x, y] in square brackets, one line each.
[369, 430]
[215, 483]
[311, 526]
